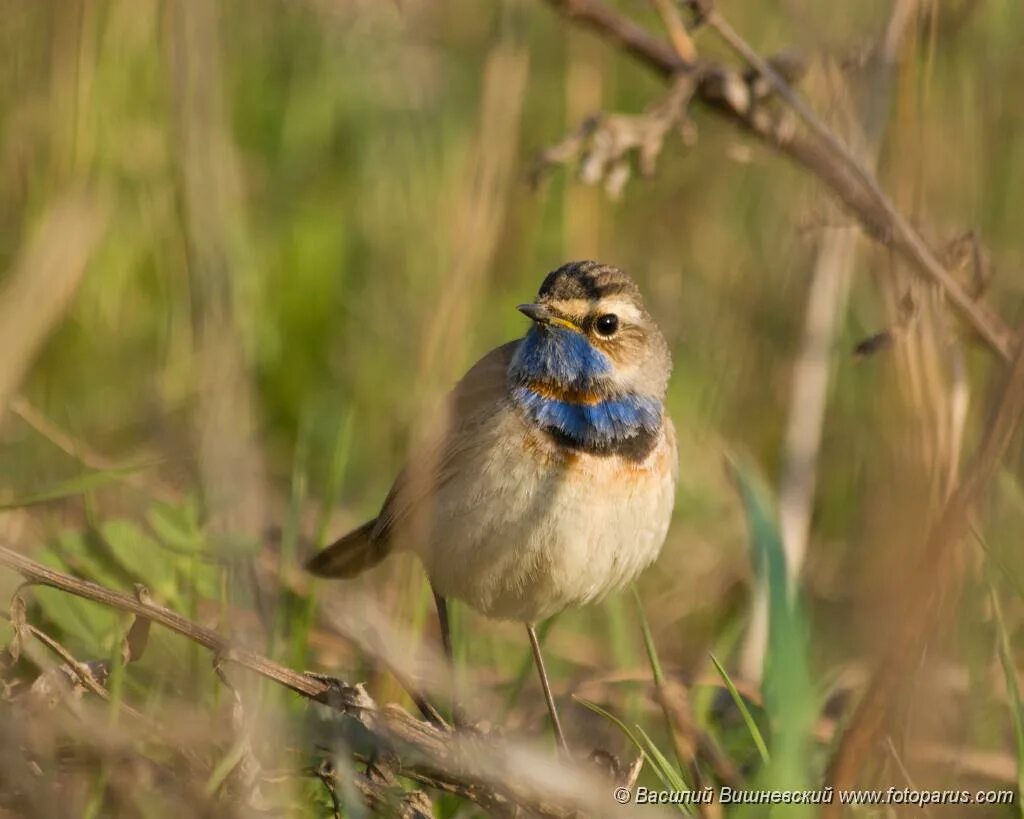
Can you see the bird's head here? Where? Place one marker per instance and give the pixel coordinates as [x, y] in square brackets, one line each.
[592, 337]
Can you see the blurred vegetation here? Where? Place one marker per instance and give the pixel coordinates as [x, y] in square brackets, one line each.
[317, 216]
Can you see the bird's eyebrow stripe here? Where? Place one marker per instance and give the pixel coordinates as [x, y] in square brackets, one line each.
[623, 308]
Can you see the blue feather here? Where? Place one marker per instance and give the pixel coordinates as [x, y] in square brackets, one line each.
[604, 423]
[560, 356]
[565, 359]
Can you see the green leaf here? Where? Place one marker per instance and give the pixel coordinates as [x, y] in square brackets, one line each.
[141, 557]
[177, 526]
[87, 628]
[73, 551]
[790, 701]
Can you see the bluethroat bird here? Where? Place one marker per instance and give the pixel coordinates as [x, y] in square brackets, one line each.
[548, 480]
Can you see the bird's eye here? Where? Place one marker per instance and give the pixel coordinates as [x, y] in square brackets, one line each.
[607, 324]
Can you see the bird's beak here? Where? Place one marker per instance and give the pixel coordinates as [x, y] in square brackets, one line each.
[542, 314]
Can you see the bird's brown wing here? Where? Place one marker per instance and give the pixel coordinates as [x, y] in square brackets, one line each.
[447, 439]
[435, 461]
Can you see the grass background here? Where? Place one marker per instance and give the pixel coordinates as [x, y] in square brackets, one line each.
[317, 216]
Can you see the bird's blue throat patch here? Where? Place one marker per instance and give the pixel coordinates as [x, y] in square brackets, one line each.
[557, 355]
[559, 381]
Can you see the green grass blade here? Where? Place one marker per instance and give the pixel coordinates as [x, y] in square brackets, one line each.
[994, 559]
[704, 695]
[667, 776]
[748, 718]
[78, 485]
[225, 765]
[645, 629]
[339, 464]
[659, 677]
[608, 715]
[661, 762]
[285, 610]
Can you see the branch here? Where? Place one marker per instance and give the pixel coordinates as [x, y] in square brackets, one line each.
[623, 32]
[304, 684]
[724, 91]
[480, 767]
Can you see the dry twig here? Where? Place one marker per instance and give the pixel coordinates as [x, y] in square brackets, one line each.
[479, 767]
[725, 91]
[603, 143]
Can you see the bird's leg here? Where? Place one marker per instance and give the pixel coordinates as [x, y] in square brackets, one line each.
[446, 642]
[546, 685]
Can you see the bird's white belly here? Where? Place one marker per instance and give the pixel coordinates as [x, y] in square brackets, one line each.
[530, 531]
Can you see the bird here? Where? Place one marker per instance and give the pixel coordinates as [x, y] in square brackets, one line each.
[547, 478]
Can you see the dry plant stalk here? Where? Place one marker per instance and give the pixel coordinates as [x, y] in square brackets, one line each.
[230, 466]
[39, 289]
[927, 603]
[481, 205]
[824, 313]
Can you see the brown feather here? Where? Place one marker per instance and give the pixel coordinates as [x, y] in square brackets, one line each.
[473, 399]
[435, 461]
[349, 555]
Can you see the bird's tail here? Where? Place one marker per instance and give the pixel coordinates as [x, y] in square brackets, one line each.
[349, 555]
